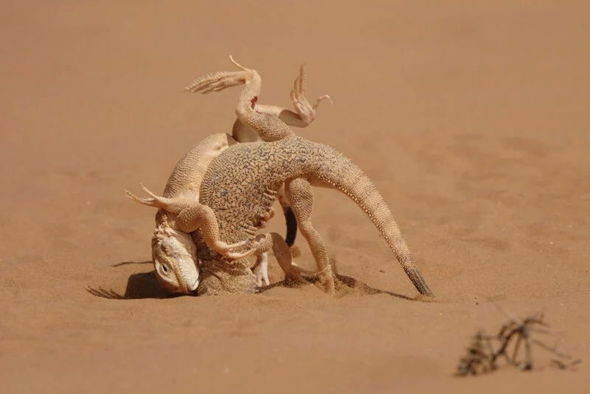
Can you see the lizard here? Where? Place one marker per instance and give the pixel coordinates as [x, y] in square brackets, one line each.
[303, 116]
[173, 251]
[242, 183]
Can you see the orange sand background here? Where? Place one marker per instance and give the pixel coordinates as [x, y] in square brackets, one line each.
[471, 117]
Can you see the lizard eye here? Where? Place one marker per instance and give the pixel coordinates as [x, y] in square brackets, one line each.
[162, 269]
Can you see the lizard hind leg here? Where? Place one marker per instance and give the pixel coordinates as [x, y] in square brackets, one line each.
[215, 82]
[191, 216]
[281, 251]
[301, 197]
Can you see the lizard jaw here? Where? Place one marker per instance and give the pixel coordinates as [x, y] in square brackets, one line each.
[187, 274]
[174, 255]
[194, 286]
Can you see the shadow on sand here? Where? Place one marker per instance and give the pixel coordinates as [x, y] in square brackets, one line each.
[145, 285]
[345, 286]
[139, 285]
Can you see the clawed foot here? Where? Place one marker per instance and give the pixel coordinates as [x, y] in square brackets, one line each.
[297, 276]
[326, 281]
[261, 271]
[328, 285]
[215, 82]
[172, 205]
[303, 107]
[237, 255]
[260, 244]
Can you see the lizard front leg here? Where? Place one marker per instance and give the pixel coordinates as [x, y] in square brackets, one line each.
[260, 269]
[304, 114]
[190, 216]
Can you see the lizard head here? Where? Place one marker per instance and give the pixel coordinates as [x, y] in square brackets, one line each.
[175, 260]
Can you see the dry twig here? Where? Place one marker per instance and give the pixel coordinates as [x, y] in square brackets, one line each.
[513, 344]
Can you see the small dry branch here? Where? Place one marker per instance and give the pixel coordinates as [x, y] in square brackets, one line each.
[513, 345]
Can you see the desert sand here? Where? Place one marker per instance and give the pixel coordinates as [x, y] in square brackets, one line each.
[471, 118]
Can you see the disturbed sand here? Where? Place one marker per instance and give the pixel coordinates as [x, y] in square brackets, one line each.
[472, 120]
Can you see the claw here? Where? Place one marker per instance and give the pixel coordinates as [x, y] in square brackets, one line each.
[303, 107]
[322, 98]
[215, 82]
[298, 90]
[215, 87]
[301, 78]
[261, 271]
[224, 249]
[150, 193]
[210, 82]
[152, 202]
[204, 81]
[167, 204]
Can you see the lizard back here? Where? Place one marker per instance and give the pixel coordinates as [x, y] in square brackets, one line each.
[241, 184]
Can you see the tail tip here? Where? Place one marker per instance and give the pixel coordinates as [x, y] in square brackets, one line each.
[420, 283]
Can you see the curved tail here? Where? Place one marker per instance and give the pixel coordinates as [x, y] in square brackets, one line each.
[346, 177]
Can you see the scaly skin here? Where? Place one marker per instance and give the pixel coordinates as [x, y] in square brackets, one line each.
[242, 183]
[180, 213]
[241, 194]
[173, 251]
[246, 131]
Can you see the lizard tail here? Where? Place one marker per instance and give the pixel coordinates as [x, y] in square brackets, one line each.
[352, 181]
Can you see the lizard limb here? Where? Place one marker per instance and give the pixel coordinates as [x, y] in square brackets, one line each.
[305, 112]
[265, 242]
[190, 216]
[261, 270]
[270, 122]
[303, 116]
[301, 196]
[215, 82]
